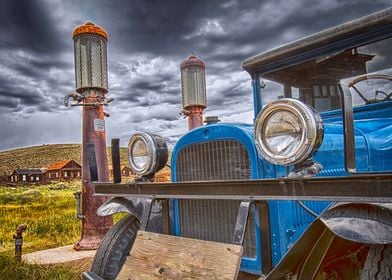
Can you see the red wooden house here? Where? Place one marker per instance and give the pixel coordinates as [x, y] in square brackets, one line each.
[64, 170]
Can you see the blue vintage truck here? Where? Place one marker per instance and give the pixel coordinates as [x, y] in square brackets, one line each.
[312, 173]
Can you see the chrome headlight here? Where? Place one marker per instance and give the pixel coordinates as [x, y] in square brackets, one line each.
[147, 153]
[288, 131]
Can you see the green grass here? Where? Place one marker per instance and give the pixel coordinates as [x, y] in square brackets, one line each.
[50, 215]
[49, 212]
[12, 270]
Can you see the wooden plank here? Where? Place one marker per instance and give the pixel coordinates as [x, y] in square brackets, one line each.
[159, 256]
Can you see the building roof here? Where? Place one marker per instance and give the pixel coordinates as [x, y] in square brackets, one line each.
[60, 164]
[32, 171]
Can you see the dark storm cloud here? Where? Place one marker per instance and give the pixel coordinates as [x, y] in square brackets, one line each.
[40, 67]
[163, 113]
[13, 96]
[146, 80]
[148, 86]
[24, 85]
[7, 103]
[155, 26]
[223, 33]
[17, 96]
[142, 90]
[26, 24]
[147, 42]
[30, 52]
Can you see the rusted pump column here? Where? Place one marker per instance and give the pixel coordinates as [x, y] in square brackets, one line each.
[90, 44]
[18, 236]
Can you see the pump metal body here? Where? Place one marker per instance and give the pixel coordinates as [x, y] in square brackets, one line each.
[90, 46]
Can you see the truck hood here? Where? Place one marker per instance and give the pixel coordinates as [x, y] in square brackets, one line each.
[373, 147]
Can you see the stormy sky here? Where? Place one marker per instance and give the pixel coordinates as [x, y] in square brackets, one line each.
[148, 40]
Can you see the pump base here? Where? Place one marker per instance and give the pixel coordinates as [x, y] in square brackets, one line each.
[90, 242]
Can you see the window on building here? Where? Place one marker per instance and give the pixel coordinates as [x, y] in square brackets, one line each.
[12, 178]
[65, 173]
[23, 178]
[37, 178]
[57, 174]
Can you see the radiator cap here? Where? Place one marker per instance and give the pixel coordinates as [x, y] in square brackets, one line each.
[211, 120]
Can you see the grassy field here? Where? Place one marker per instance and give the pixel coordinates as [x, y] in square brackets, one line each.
[12, 270]
[49, 212]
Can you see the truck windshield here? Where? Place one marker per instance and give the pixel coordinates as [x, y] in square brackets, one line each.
[316, 82]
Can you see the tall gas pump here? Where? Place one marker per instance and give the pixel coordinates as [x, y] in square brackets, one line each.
[193, 90]
[91, 75]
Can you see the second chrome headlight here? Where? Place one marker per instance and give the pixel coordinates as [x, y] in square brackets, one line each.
[288, 131]
[147, 153]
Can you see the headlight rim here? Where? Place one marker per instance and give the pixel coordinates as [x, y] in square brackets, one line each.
[312, 131]
[150, 143]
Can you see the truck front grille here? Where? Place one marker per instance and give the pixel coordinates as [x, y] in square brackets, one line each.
[214, 220]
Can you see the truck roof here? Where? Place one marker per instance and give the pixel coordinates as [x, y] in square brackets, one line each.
[363, 30]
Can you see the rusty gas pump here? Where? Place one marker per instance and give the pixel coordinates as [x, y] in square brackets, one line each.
[193, 90]
[90, 48]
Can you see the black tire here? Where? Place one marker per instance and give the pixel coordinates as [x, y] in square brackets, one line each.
[115, 247]
[378, 265]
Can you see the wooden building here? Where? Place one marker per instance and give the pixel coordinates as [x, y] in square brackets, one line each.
[126, 171]
[26, 176]
[64, 170]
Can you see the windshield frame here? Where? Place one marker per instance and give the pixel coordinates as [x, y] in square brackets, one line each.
[363, 31]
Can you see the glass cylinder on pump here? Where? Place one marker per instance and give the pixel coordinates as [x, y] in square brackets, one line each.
[90, 45]
[193, 90]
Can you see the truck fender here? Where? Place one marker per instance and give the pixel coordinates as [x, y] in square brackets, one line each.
[115, 205]
[133, 206]
[366, 223]
[359, 223]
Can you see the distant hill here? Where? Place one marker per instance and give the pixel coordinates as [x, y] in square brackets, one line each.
[45, 155]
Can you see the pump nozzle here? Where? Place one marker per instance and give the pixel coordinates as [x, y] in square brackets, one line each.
[75, 96]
